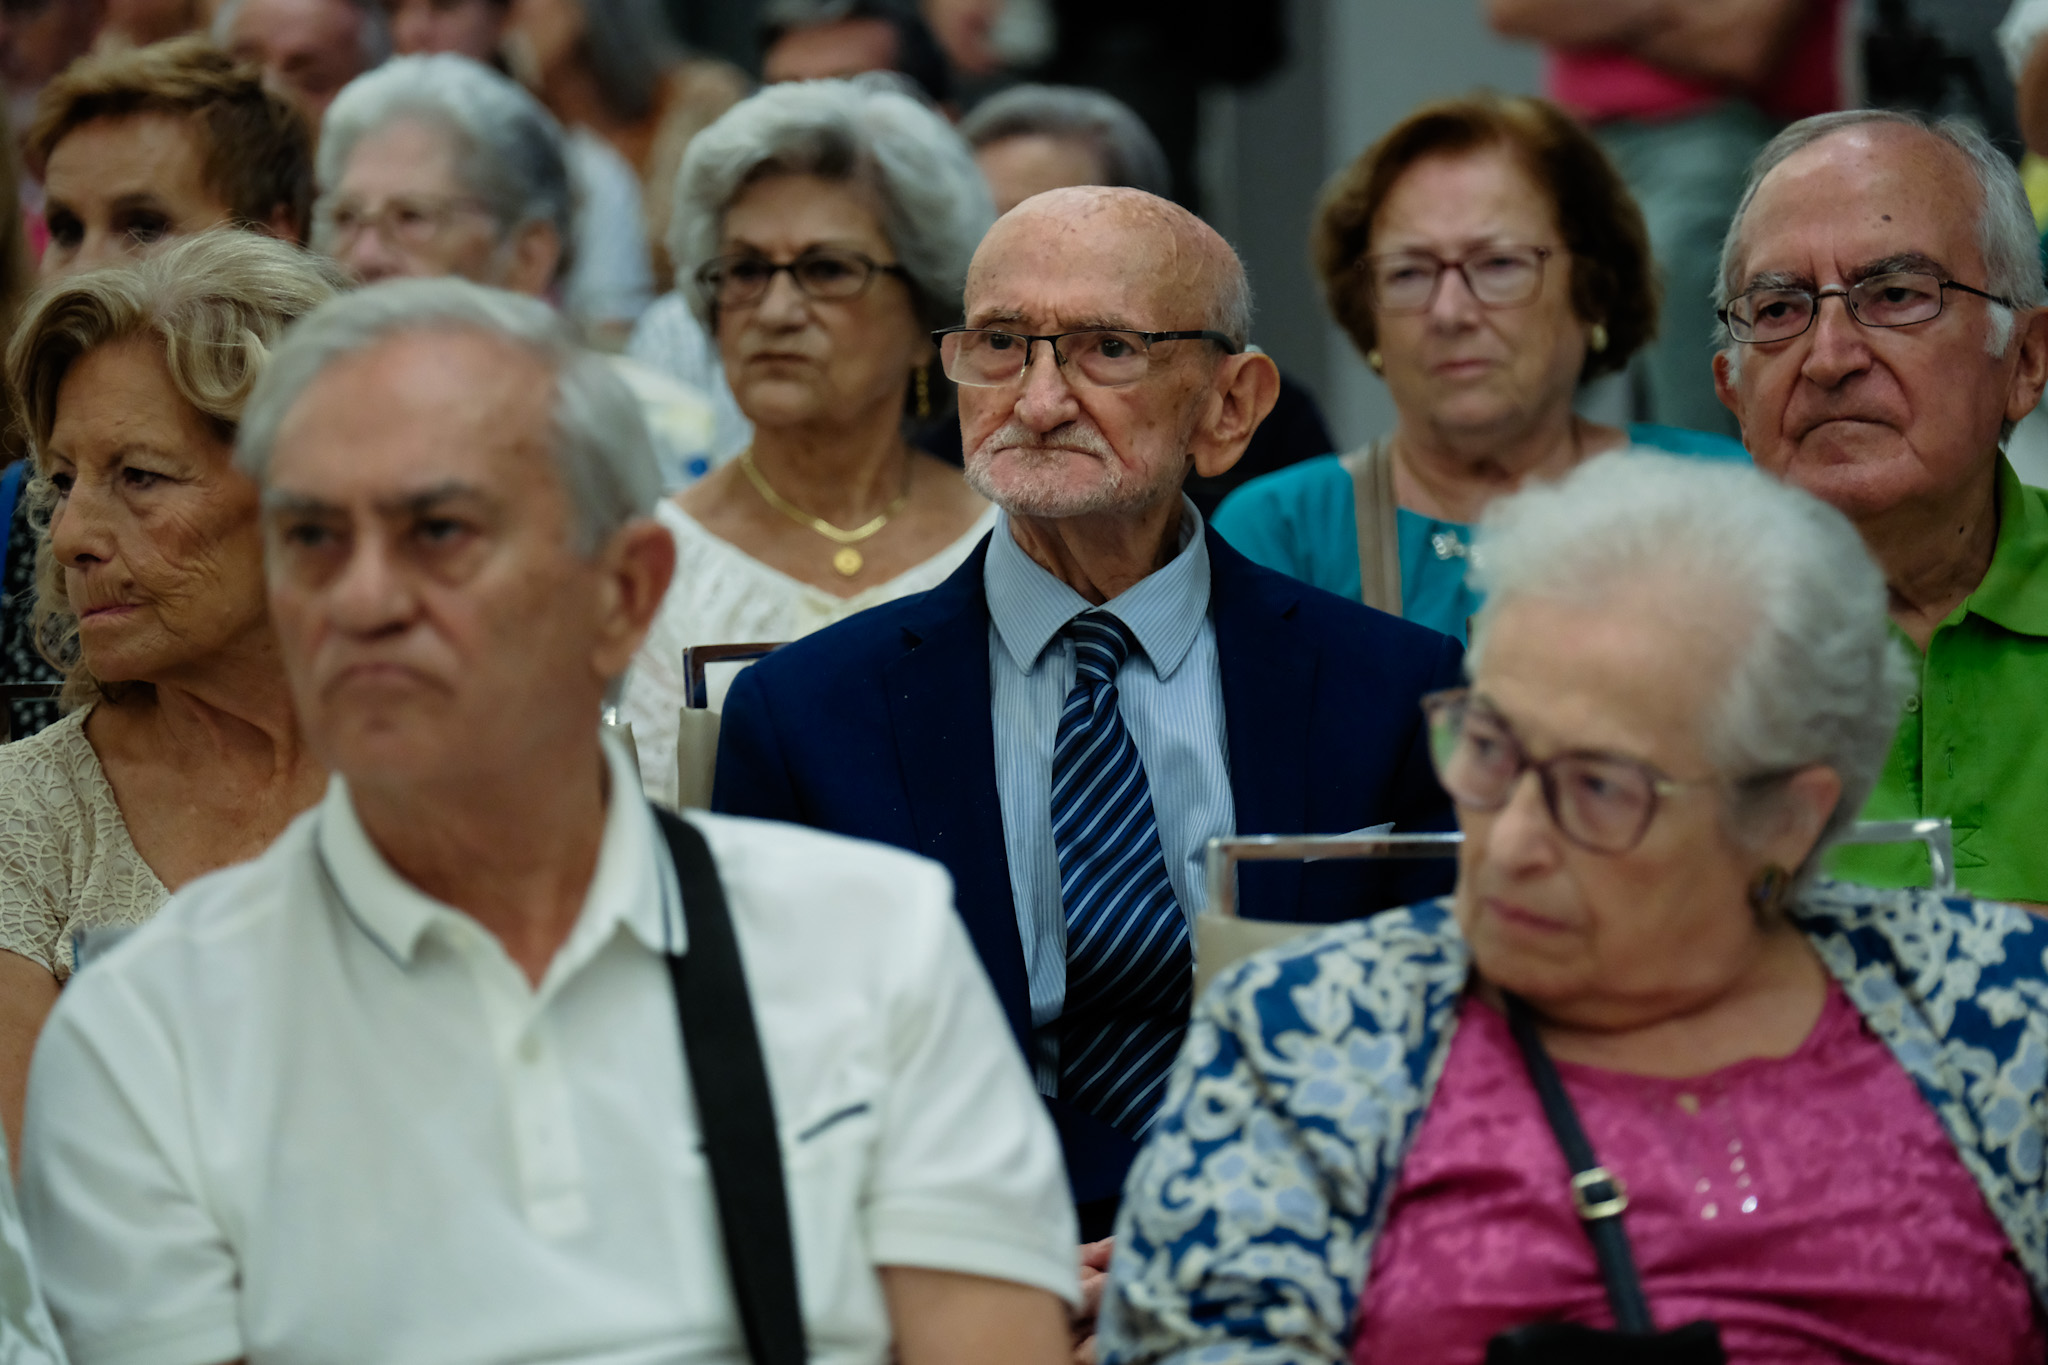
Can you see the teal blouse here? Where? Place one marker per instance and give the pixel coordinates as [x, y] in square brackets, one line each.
[1301, 520]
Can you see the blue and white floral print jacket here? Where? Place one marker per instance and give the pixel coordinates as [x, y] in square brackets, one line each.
[1248, 1221]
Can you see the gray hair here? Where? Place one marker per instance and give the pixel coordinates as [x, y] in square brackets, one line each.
[602, 450]
[935, 205]
[1817, 679]
[508, 149]
[2006, 236]
[1118, 138]
[373, 32]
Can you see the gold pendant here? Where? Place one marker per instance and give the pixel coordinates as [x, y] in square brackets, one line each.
[847, 561]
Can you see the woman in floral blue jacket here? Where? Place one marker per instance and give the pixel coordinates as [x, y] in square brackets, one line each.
[1823, 1103]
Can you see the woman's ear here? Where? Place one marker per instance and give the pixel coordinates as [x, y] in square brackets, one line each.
[1806, 802]
[1247, 386]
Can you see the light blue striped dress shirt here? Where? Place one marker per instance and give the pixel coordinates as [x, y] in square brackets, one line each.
[1170, 694]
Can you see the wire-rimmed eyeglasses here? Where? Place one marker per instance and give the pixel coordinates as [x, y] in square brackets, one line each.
[411, 221]
[1497, 276]
[820, 273]
[1600, 801]
[1897, 298]
[1107, 357]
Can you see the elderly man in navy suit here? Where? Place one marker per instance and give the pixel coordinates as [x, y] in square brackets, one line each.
[1105, 684]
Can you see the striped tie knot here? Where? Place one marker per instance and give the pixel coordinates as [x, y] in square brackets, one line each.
[1101, 645]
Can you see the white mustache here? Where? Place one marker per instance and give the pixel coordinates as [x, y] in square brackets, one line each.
[1074, 435]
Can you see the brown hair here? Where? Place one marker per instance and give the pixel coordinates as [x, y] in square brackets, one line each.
[217, 302]
[1614, 280]
[256, 149]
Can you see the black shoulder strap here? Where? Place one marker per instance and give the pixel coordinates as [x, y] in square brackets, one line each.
[1597, 1195]
[734, 1107]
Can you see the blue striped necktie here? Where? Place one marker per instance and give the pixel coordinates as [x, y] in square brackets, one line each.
[1130, 970]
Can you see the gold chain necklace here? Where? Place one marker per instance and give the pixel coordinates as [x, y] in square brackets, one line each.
[847, 561]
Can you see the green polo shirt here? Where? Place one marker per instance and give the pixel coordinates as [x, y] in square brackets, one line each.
[1973, 740]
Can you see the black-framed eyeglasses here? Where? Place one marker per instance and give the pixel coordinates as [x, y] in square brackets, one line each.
[1600, 801]
[1497, 276]
[1897, 298]
[821, 273]
[1108, 357]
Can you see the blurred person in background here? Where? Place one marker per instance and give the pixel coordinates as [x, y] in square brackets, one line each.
[308, 49]
[1681, 94]
[1033, 138]
[180, 753]
[614, 68]
[1487, 261]
[611, 272]
[140, 147]
[814, 40]
[38, 39]
[826, 227]
[1883, 301]
[19, 661]
[411, 1088]
[138, 23]
[1815, 1110]
[441, 166]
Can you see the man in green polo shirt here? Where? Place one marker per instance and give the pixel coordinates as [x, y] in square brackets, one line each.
[1882, 301]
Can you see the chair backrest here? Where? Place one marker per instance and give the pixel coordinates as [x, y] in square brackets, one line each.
[1222, 939]
[697, 723]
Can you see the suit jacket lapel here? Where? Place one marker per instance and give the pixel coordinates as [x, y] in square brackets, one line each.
[939, 711]
[1268, 669]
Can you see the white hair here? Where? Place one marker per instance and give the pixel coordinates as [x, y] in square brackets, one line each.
[1816, 679]
[373, 31]
[935, 205]
[1119, 140]
[2006, 236]
[601, 446]
[508, 149]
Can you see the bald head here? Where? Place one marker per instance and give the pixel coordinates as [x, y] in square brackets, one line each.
[1149, 244]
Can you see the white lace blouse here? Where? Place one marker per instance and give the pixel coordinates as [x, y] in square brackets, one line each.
[66, 861]
[722, 595]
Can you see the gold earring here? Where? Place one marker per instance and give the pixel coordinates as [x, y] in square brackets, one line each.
[1598, 338]
[1767, 892]
[1374, 359]
[924, 392]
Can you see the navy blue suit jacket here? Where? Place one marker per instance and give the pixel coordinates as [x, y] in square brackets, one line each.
[880, 728]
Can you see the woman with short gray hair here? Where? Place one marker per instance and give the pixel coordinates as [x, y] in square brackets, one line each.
[822, 231]
[1643, 1067]
[180, 752]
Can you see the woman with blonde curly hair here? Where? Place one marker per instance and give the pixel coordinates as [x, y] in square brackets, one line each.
[179, 753]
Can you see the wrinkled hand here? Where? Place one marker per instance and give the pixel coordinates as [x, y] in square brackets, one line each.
[1094, 1274]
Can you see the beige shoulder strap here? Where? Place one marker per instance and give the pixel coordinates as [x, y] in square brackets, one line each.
[1379, 538]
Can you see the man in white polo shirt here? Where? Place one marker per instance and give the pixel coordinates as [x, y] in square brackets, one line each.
[410, 1087]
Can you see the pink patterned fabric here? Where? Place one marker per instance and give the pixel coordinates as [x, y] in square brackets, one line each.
[1812, 1206]
[1599, 83]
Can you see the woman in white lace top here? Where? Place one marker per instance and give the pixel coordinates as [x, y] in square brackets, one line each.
[821, 232]
[180, 753]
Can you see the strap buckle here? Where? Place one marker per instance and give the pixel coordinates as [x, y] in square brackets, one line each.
[1598, 1194]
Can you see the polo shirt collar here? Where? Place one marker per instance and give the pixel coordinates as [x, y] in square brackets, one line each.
[633, 886]
[2014, 593]
[1165, 609]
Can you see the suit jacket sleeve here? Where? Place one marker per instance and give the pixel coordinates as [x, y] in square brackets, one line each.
[752, 776]
[1421, 803]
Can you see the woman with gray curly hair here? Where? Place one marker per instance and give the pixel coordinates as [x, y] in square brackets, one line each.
[1642, 1068]
[822, 232]
[180, 753]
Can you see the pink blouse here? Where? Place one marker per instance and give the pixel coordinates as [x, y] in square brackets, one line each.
[1812, 1206]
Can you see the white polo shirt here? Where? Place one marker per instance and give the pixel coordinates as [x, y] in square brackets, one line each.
[309, 1114]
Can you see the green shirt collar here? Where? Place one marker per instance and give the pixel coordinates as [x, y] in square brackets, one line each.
[2014, 593]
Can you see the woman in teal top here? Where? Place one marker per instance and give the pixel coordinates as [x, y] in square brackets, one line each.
[1487, 260]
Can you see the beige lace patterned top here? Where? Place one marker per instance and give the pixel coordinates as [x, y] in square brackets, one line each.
[66, 861]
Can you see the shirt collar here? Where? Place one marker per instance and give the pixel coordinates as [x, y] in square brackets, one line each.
[2014, 593]
[633, 886]
[1164, 609]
